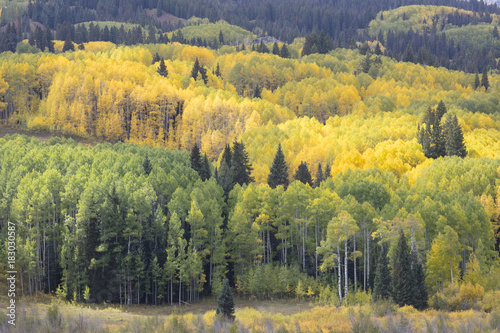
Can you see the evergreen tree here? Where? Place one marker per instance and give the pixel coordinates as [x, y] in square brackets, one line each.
[256, 92]
[225, 178]
[402, 275]
[420, 294]
[302, 174]
[328, 172]
[441, 110]
[496, 35]
[284, 52]
[454, 138]
[276, 49]
[484, 80]
[279, 171]
[366, 63]
[146, 165]
[408, 55]
[217, 71]
[162, 70]
[226, 156]
[81, 46]
[477, 83]
[378, 50]
[68, 44]
[205, 169]
[382, 284]
[49, 40]
[196, 69]
[241, 168]
[156, 58]
[319, 177]
[195, 159]
[225, 302]
[221, 37]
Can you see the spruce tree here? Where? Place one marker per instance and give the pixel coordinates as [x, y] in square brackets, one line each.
[146, 165]
[484, 80]
[68, 44]
[205, 169]
[441, 110]
[162, 70]
[49, 40]
[276, 49]
[402, 275]
[279, 171]
[496, 35]
[420, 294]
[302, 174]
[221, 37]
[378, 50]
[226, 156]
[225, 178]
[382, 283]
[328, 172]
[284, 52]
[217, 71]
[366, 63]
[195, 159]
[454, 138]
[408, 55]
[319, 177]
[477, 83]
[241, 168]
[225, 302]
[195, 69]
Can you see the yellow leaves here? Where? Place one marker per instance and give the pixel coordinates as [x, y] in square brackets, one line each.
[204, 56]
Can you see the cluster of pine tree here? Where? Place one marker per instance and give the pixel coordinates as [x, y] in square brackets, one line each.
[317, 44]
[439, 140]
[278, 174]
[235, 168]
[262, 48]
[406, 285]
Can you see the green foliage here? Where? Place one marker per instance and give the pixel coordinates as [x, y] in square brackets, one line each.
[402, 274]
[210, 31]
[225, 302]
[302, 174]
[382, 284]
[278, 174]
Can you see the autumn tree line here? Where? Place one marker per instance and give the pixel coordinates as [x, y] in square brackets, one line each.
[138, 225]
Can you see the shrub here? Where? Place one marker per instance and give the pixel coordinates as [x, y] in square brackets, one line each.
[362, 322]
[491, 301]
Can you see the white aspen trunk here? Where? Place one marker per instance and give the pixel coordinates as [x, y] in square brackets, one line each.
[368, 259]
[346, 280]
[316, 252]
[355, 268]
[304, 247]
[180, 285]
[364, 258]
[339, 271]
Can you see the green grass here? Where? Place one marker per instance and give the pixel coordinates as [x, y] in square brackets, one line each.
[210, 31]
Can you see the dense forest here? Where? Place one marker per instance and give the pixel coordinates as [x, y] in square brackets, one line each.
[330, 151]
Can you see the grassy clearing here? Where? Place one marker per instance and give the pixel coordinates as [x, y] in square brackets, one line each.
[45, 314]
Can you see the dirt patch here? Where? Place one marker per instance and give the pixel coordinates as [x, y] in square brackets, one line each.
[165, 17]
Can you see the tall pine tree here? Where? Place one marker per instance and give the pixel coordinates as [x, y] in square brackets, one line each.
[319, 177]
[382, 283]
[225, 302]
[420, 294]
[454, 145]
[195, 159]
[241, 168]
[402, 274]
[279, 171]
[302, 174]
